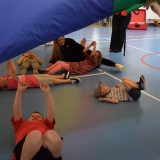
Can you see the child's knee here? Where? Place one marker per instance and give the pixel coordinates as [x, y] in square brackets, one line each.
[23, 71]
[35, 137]
[35, 71]
[52, 137]
[124, 82]
[124, 78]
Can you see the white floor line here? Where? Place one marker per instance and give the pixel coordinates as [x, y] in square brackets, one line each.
[106, 40]
[157, 99]
[139, 49]
[88, 75]
[142, 39]
[144, 36]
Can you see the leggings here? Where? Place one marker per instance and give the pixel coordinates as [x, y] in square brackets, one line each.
[108, 62]
[59, 65]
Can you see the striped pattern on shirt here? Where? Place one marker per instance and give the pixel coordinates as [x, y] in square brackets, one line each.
[119, 93]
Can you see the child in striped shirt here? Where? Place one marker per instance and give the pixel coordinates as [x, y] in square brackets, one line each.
[131, 91]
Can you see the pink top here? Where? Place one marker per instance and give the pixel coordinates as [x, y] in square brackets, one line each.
[30, 79]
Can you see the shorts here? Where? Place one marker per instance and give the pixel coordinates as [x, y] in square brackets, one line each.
[42, 154]
[135, 93]
[44, 78]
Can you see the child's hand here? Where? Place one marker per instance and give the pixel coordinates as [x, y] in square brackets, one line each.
[102, 99]
[22, 86]
[117, 86]
[93, 43]
[26, 54]
[45, 88]
[32, 55]
[148, 4]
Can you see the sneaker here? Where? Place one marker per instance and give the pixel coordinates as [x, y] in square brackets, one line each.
[75, 80]
[142, 83]
[42, 71]
[66, 75]
[119, 66]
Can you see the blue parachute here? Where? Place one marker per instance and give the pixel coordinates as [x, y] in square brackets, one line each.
[27, 24]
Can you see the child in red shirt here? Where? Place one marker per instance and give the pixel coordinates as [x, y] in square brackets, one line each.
[35, 138]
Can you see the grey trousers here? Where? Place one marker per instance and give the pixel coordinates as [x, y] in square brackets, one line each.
[29, 63]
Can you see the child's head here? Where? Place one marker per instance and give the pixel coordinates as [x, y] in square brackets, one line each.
[101, 90]
[61, 41]
[3, 82]
[35, 116]
[98, 57]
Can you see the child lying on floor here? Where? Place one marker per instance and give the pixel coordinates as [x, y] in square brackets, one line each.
[131, 91]
[10, 81]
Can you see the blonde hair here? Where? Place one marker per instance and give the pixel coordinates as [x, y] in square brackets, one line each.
[99, 58]
[56, 52]
[3, 85]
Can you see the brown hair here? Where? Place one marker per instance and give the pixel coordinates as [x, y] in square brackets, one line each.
[36, 112]
[99, 58]
[56, 52]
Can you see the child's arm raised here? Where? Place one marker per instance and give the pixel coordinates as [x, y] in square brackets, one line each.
[87, 48]
[49, 101]
[17, 105]
[20, 61]
[11, 69]
[94, 48]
